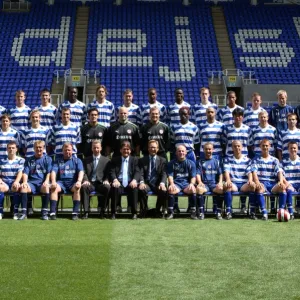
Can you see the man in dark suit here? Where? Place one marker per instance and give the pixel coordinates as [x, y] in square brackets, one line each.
[96, 169]
[153, 178]
[125, 175]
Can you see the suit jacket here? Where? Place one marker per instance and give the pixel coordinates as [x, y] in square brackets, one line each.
[102, 171]
[160, 166]
[133, 168]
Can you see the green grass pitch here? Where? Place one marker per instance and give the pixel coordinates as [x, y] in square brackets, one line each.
[149, 259]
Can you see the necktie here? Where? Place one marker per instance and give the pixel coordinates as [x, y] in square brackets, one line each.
[152, 169]
[125, 173]
[95, 168]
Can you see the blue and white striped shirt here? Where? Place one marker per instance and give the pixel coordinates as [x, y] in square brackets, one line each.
[20, 117]
[145, 111]
[78, 112]
[173, 113]
[48, 115]
[9, 169]
[267, 169]
[238, 169]
[259, 134]
[251, 117]
[213, 133]
[199, 112]
[185, 134]
[5, 138]
[134, 114]
[224, 114]
[292, 170]
[29, 136]
[285, 137]
[2, 111]
[60, 134]
[242, 134]
[106, 110]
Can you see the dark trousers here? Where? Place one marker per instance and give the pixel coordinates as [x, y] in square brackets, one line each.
[132, 197]
[99, 188]
[161, 197]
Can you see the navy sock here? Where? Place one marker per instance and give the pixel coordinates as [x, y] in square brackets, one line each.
[17, 201]
[272, 202]
[24, 203]
[200, 203]
[215, 204]
[171, 201]
[192, 201]
[261, 202]
[243, 201]
[282, 200]
[289, 201]
[228, 201]
[53, 205]
[45, 203]
[1, 202]
[175, 205]
[252, 201]
[76, 205]
[219, 201]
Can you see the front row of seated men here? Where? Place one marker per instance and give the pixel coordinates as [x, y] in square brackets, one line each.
[137, 177]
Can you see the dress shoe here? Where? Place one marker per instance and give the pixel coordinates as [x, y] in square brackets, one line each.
[85, 216]
[134, 217]
[102, 215]
[113, 216]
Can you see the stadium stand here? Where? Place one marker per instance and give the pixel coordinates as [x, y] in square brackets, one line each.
[265, 39]
[144, 45]
[33, 47]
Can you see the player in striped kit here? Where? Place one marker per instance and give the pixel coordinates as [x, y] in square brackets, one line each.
[209, 179]
[106, 109]
[19, 115]
[211, 131]
[65, 132]
[185, 133]
[237, 176]
[291, 134]
[199, 110]
[264, 131]
[267, 176]
[181, 177]
[152, 102]
[48, 111]
[11, 169]
[173, 110]
[238, 131]
[35, 133]
[35, 179]
[134, 114]
[291, 167]
[77, 108]
[251, 113]
[224, 114]
[7, 134]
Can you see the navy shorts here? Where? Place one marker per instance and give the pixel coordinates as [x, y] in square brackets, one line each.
[268, 185]
[210, 186]
[35, 187]
[296, 186]
[66, 188]
[239, 185]
[181, 185]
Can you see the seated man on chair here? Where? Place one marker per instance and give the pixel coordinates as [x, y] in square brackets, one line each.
[182, 177]
[153, 178]
[11, 170]
[237, 176]
[125, 175]
[66, 176]
[209, 179]
[95, 179]
[35, 179]
[268, 177]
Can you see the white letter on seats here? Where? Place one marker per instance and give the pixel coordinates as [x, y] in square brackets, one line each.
[297, 24]
[58, 56]
[185, 55]
[286, 53]
[108, 43]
